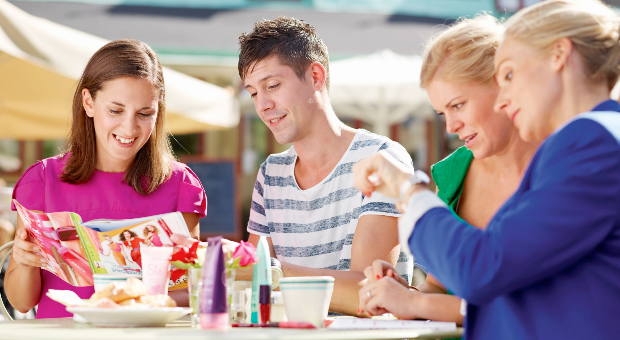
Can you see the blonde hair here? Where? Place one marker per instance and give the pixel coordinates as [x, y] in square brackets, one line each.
[590, 25]
[464, 52]
[146, 231]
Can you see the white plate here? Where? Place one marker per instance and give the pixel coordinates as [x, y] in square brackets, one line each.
[130, 317]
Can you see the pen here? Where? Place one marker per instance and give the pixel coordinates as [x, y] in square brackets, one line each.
[283, 324]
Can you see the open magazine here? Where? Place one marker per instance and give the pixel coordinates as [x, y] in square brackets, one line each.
[75, 250]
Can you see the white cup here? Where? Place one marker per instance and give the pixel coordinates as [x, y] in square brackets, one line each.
[306, 299]
[102, 280]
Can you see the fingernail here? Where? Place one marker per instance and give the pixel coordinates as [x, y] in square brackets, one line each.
[378, 277]
[359, 311]
[43, 260]
[36, 249]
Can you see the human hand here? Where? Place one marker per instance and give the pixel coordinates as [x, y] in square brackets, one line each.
[27, 253]
[380, 269]
[390, 172]
[388, 296]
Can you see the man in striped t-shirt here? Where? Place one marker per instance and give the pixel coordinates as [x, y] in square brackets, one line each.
[304, 201]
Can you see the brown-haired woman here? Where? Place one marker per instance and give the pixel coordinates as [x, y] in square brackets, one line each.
[119, 165]
[132, 242]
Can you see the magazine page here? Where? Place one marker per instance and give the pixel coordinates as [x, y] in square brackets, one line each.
[58, 239]
[113, 246]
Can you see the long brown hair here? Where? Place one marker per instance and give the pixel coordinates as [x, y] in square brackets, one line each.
[121, 236]
[153, 163]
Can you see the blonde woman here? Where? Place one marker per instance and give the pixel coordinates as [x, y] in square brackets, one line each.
[474, 181]
[116, 249]
[548, 264]
[151, 236]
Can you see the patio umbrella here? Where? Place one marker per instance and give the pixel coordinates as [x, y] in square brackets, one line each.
[41, 61]
[381, 88]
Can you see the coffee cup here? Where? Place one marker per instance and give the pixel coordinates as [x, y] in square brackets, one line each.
[102, 280]
[306, 299]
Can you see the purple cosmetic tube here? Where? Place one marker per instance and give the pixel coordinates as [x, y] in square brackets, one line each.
[213, 306]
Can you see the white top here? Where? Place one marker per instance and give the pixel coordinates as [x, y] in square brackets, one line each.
[314, 227]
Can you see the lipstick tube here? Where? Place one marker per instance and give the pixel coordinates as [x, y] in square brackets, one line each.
[64, 266]
[164, 226]
[79, 264]
[264, 302]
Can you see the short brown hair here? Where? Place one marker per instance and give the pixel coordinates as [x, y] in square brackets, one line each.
[463, 53]
[153, 163]
[293, 41]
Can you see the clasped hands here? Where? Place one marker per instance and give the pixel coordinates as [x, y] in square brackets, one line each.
[386, 291]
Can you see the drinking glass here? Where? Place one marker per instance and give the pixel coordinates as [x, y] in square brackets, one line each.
[194, 282]
[237, 306]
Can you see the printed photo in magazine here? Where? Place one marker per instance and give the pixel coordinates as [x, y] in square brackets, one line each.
[75, 250]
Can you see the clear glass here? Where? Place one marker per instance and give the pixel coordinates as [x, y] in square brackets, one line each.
[194, 282]
[237, 306]
[230, 282]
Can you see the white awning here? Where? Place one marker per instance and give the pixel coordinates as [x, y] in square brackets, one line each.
[40, 62]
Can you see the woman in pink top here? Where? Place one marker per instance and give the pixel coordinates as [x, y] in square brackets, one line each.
[119, 166]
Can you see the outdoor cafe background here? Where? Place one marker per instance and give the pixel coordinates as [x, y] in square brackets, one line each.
[374, 47]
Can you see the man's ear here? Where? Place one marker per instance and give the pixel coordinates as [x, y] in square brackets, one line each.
[319, 75]
[560, 53]
[88, 103]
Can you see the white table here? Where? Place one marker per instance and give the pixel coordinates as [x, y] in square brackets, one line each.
[66, 329]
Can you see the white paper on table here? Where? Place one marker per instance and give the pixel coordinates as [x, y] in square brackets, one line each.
[357, 323]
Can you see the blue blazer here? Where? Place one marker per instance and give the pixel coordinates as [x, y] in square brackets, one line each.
[548, 264]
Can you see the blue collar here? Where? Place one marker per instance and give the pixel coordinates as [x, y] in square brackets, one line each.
[608, 105]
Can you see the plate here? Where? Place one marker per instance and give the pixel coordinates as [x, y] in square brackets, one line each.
[130, 317]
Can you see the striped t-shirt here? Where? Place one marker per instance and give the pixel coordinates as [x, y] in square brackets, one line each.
[314, 227]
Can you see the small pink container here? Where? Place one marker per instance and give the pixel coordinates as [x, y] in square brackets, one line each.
[217, 321]
[156, 269]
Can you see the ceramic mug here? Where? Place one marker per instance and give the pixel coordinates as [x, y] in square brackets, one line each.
[306, 299]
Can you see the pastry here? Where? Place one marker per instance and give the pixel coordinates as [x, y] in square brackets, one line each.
[119, 292]
[157, 301]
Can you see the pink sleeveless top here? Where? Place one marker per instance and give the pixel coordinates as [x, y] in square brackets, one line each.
[104, 196]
